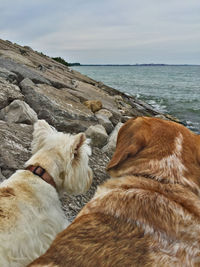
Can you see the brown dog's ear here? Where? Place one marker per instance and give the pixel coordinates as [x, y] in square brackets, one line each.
[197, 143]
[124, 150]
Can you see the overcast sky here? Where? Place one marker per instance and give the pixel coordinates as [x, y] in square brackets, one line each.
[106, 31]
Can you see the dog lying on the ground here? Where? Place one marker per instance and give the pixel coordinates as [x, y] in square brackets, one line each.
[148, 214]
[30, 211]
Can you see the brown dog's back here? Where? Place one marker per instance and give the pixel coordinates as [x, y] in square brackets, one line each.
[135, 224]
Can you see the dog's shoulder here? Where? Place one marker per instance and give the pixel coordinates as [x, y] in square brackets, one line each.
[8, 208]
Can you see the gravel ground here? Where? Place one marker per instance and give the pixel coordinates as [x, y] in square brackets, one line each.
[73, 204]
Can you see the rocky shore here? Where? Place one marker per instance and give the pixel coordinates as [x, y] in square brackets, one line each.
[34, 86]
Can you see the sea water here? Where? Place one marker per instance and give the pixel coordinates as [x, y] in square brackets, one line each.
[169, 89]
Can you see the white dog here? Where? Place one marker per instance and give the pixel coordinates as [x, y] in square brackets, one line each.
[30, 210]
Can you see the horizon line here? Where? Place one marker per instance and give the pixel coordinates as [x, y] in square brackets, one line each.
[137, 64]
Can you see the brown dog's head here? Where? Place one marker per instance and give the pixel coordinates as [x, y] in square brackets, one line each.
[160, 149]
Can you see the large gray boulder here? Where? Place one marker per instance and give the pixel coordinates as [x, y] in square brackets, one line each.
[105, 117]
[19, 58]
[14, 146]
[18, 112]
[98, 135]
[105, 122]
[22, 71]
[8, 93]
[58, 107]
[8, 75]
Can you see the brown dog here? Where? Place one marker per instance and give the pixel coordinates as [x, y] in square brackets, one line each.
[148, 214]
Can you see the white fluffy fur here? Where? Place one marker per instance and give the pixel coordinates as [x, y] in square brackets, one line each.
[31, 216]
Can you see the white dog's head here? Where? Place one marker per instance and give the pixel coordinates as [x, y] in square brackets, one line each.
[64, 155]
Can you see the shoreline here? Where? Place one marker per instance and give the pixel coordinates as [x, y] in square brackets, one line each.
[168, 89]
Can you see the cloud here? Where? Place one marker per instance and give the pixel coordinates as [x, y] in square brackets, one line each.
[108, 30]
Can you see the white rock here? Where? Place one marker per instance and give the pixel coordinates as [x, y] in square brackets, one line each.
[19, 112]
[104, 112]
[107, 124]
[98, 135]
[111, 145]
[8, 93]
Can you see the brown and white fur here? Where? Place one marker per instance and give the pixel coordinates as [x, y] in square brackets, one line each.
[30, 211]
[148, 214]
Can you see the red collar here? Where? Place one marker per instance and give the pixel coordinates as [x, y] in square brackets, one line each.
[42, 173]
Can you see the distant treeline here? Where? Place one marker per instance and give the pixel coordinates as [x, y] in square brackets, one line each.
[62, 61]
[142, 65]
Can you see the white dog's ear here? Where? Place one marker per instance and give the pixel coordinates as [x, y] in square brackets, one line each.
[40, 132]
[78, 177]
[78, 142]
